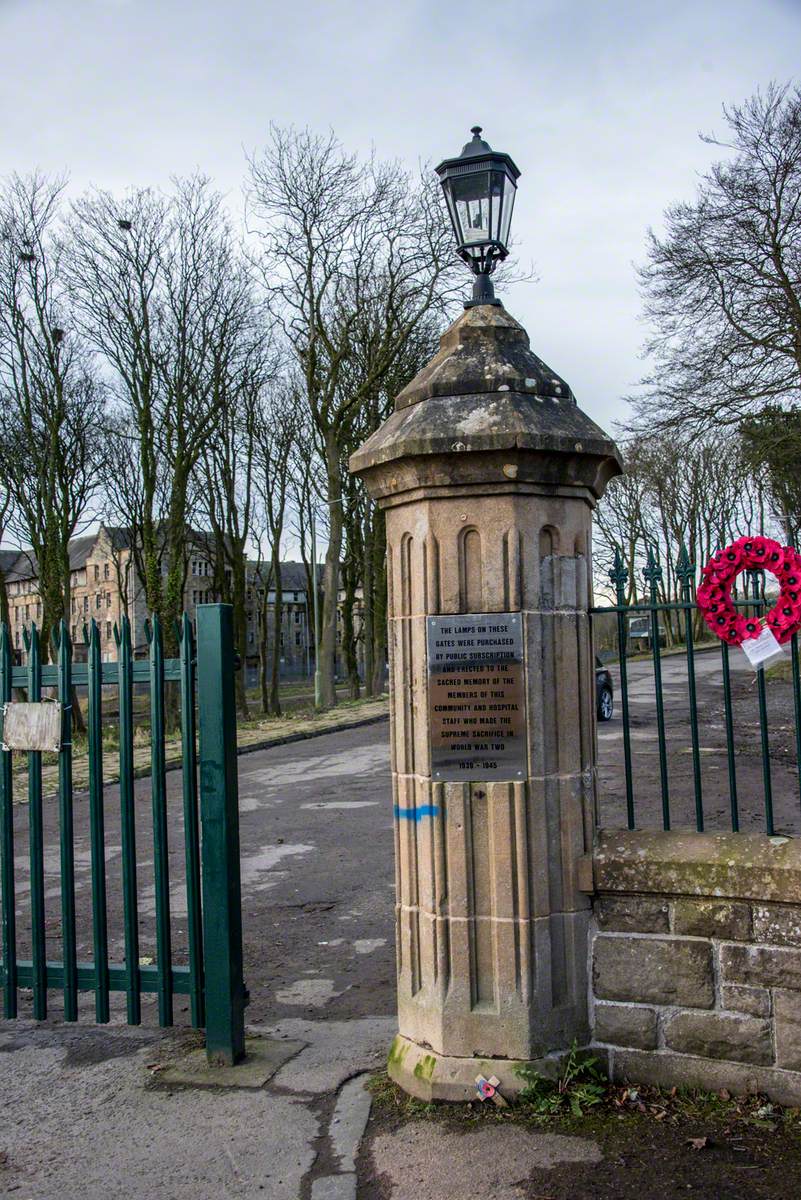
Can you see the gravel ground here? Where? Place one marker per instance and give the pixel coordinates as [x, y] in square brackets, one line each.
[712, 736]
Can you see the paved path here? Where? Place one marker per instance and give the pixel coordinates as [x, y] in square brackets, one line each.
[318, 889]
[82, 1120]
[84, 1117]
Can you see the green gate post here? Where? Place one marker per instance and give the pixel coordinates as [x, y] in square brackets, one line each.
[219, 814]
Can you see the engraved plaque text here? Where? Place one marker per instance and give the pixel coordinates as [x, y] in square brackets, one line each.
[476, 697]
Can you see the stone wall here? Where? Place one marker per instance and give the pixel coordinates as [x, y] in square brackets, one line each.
[696, 960]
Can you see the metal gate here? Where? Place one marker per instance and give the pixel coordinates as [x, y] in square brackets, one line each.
[211, 975]
[656, 615]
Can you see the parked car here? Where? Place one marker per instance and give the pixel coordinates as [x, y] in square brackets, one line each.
[604, 695]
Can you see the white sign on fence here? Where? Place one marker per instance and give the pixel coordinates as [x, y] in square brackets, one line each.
[763, 650]
[32, 726]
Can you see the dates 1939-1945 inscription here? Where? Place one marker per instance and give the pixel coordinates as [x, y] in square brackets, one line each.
[476, 697]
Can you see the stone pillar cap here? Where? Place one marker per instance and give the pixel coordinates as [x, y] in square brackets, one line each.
[486, 390]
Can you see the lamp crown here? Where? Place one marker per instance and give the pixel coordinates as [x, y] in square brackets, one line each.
[476, 145]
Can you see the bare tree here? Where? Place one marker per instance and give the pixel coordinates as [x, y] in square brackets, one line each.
[340, 238]
[5, 512]
[229, 463]
[692, 492]
[49, 445]
[161, 293]
[722, 287]
[771, 447]
[364, 559]
[276, 437]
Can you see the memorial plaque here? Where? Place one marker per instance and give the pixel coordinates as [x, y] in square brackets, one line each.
[476, 697]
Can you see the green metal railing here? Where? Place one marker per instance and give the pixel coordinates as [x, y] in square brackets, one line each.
[683, 612]
[212, 975]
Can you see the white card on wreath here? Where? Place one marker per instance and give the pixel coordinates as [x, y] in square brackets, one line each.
[763, 650]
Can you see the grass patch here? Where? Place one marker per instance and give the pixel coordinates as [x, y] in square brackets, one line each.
[583, 1101]
[783, 671]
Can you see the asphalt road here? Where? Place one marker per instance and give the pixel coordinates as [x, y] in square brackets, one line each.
[317, 847]
[317, 880]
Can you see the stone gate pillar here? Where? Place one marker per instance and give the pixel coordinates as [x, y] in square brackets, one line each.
[488, 473]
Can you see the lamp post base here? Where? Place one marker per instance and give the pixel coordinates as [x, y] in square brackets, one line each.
[423, 1073]
[483, 292]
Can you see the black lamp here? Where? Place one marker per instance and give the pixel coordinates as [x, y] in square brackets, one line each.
[479, 189]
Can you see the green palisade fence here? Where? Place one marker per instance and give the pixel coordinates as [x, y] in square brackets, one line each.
[211, 976]
[752, 600]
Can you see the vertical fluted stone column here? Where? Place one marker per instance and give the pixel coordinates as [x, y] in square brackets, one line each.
[488, 473]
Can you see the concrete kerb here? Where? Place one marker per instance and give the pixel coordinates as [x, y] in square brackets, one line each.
[287, 739]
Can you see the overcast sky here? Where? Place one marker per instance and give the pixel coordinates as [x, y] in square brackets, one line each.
[599, 104]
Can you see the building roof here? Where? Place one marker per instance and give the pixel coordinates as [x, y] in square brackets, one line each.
[22, 564]
[293, 574]
[8, 559]
[79, 550]
[118, 535]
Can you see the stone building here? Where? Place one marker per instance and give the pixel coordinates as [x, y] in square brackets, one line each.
[297, 616]
[105, 584]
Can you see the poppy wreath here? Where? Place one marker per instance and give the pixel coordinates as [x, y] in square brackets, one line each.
[714, 592]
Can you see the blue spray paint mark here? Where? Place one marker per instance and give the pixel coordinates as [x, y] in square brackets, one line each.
[416, 814]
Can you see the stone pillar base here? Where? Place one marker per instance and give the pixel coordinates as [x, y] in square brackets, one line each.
[430, 1076]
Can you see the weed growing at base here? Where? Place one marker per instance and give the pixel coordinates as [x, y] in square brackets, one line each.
[581, 1085]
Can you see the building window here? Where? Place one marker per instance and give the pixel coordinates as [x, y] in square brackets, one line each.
[298, 615]
[108, 631]
[105, 570]
[27, 612]
[99, 600]
[86, 604]
[298, 639]
[295, 597]
[108, 599]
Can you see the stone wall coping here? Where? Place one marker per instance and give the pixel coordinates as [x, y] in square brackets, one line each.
[745, 866]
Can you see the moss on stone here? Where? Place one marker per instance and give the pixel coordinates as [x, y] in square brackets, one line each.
[424, 1069]
[397, 1051]
[722, 866]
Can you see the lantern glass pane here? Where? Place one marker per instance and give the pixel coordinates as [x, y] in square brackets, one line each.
[496, 201]
[471, 196]
[506, 212]
[452, 212]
